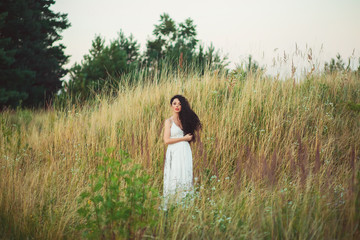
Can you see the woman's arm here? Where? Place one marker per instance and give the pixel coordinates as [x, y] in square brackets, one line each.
[167, 139]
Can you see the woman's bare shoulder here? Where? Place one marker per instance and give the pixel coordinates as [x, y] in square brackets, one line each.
[167, 123]
[168, 120]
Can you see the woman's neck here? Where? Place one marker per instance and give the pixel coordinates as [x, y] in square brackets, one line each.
[176, 116]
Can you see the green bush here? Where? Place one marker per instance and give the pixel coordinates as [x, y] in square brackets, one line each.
[119, 202]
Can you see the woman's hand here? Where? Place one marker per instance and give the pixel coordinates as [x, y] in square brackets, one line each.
[188, 137]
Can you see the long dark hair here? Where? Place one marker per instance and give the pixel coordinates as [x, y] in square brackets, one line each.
[189, 120]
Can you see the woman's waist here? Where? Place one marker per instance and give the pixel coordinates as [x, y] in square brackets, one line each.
[178, 143]
[177, 136]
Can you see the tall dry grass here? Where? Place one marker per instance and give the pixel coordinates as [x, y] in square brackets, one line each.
[275, 159]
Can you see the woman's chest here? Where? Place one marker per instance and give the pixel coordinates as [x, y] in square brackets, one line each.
[176, 131]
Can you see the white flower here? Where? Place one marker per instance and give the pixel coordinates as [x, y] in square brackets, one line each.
[212, 177]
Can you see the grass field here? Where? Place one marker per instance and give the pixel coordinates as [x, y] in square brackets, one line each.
[276, 159]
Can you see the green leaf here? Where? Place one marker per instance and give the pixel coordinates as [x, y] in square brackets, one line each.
[98, 186]
[123, 153]
[97, 199]
[84, 194]
[110, 150]
[109, 204]
[82, 212]
[126, 160]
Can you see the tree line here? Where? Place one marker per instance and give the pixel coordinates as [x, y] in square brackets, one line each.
[32, 61]
[173, 47]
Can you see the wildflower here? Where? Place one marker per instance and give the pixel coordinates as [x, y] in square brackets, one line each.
[213, 177]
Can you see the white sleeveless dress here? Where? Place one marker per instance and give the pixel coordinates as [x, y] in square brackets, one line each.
[178, 169]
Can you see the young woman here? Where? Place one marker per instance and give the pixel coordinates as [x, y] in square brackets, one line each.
[179, 131]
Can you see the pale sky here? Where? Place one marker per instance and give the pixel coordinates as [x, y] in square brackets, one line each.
[263, 28]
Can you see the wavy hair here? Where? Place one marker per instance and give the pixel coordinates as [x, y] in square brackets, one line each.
[189, 120]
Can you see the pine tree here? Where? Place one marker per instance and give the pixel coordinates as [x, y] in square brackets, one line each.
[30, 62]
[103, 66]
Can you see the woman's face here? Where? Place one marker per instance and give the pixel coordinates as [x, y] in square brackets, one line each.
[176, 105]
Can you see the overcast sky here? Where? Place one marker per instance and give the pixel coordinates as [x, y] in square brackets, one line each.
[263, 28]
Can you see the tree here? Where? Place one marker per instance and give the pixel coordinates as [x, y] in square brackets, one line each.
[130, 46]
[10, 94]
[165, 35]
[174, 46]
[30, 62]
[246, 68]
[103, 65]
[186, 43]
[337, 65]
[177, 45]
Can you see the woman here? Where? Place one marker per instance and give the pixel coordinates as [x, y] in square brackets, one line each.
[179, 131]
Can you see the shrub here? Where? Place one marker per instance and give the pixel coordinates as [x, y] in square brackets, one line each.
[119, 202]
